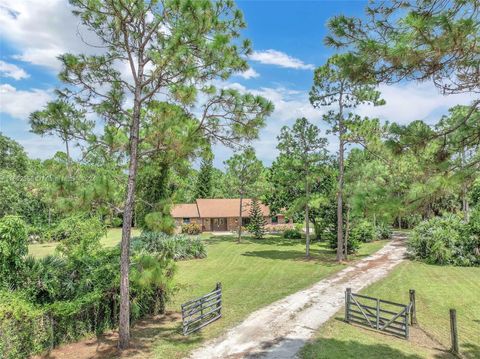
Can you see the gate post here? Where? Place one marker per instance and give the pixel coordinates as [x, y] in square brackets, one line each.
[413, 310]
[348, 293]
[378, 314]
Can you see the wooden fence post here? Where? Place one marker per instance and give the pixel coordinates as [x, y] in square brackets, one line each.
[378, 314]
[413, 310]
[348, 293]
[453, 330]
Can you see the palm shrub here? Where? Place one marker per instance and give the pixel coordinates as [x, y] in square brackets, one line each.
[257, 222]
[177, 247]
[73, 293]
[73, 296]
[446, 240]
[152, 282]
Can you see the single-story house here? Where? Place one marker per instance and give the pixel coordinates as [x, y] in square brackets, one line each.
[220, 214]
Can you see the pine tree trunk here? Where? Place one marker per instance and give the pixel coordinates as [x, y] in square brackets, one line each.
[240, 217]
[67, 149]
[124, 323]
[307, 217]
[340, 244]
[465, 206]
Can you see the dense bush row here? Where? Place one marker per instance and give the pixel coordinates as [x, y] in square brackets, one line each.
[278, 228]
[178, 247]
[447, 240]
[75, 292]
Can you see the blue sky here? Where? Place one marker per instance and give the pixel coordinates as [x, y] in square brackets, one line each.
[287, 39]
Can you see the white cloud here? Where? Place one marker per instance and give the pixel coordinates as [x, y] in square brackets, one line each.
[43, 147]
[42, 30]
[289, 105]
[12, 70]
[413, 101]
[249, 74]
[405, 103]
[274, 57]
[20, 104]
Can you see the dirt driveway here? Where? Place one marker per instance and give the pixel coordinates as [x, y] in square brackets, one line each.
[280, 329]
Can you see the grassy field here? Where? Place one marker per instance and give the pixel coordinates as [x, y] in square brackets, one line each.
[112, 237]
[253, 274]
[437, 290]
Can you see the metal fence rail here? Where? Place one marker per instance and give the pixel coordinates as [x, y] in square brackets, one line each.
[202, 311]
[378, 314]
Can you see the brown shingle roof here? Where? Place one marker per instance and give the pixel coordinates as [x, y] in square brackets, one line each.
[185, 210]
[216, 208]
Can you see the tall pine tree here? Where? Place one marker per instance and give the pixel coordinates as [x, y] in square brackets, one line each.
[204, 179]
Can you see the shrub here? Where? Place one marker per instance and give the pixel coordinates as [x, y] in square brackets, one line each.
[75, 227]
[384, 231]
[23, 330]
[244, 230]
[363, 231]
[116, 222]
[63, 298]
[79, 234]
[178, 247]
[13, 249]
[352, 246]
[445, 240]
[278, 228]
[292, 233]
[191, 228]
[152, 283]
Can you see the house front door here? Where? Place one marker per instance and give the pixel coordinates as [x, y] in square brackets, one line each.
[219, 224]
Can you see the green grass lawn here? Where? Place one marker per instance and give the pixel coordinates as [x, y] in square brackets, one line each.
[437, 289]
[113, 236]
[253, 274]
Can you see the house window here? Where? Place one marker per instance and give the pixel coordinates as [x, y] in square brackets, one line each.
[245, 221]
[275, 219]
[186, 220]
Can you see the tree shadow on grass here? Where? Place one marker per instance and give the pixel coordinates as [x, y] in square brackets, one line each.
[328, 348]
[418, 337]
[470, 350]
[342, 349]
[145, 335]
[316, 255]
[276, 240]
